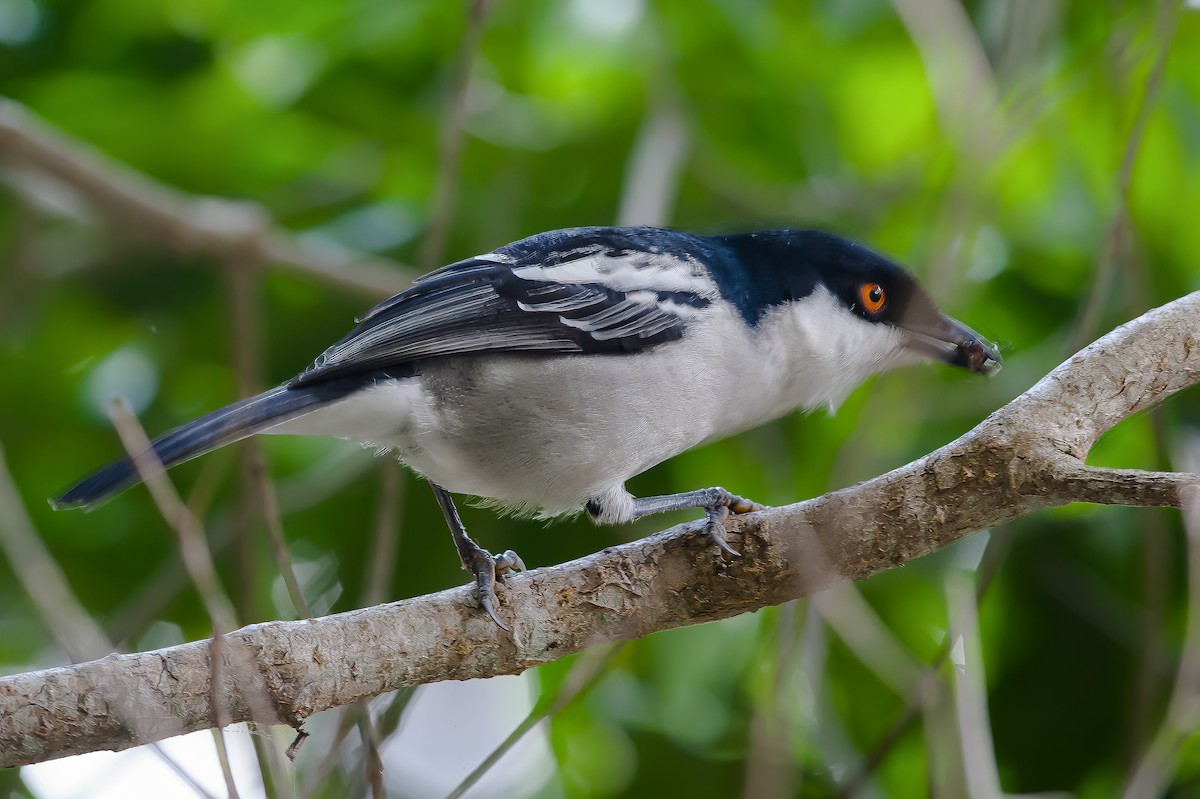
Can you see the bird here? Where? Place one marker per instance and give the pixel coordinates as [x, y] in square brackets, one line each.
[543, 375]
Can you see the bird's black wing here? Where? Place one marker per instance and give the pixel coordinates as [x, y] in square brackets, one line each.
[586, 290]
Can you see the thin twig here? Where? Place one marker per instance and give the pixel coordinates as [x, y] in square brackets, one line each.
[347, 717]
[994, 555]
[926, 688]
[769, 769]
[245, 354]
[853, 619]
[813, 668]
[956, 64]
[379, 571]
[247, 358]
[192, 543]
[181, 772]
[453, 122]
[1154, 770]
[46, 585]
[1156, 563]
[592, 667]
[296, 493]
[967, 102]
[655, 166]
[1157, 567]
[257, 487]
[76, 632]
[386, 540]
[218, 736]
[271, 768]
[1106, 268]
[247, 338]
[970, 693]
[268, 502]
[373, 763]
[196, 558]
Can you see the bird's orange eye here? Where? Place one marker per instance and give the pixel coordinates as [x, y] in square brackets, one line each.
[872, 296]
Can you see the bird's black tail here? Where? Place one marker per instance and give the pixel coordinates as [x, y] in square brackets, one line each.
[224, 426]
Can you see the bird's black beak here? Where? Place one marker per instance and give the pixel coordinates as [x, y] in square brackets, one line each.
[952, 342]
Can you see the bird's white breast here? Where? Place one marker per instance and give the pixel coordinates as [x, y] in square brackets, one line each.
[823, 351]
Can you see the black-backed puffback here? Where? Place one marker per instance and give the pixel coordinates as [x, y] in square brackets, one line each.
[543, 375]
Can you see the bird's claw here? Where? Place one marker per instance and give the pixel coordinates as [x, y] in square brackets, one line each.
[507, 561]
[742, 505]
[719, 511]
[487, 568]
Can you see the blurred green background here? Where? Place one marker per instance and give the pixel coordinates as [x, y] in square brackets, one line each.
[1012, 153]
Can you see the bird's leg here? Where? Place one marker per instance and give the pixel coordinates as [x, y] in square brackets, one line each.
[484, 565]
[717, 503]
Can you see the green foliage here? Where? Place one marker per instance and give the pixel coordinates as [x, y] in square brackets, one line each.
[330, 115]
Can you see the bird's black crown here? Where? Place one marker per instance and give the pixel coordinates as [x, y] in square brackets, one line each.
[786, 265]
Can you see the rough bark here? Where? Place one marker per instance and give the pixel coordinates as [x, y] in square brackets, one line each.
[1026, 456]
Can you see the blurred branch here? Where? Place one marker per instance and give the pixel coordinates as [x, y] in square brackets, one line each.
[1151, 776]
[655, 166]
[387, 533]
[769, 770]
[453, 129]
[957, 66]
[192, 544]
[257, 496]
[592, 668]
[199, 563]
[925, 692]
[967, 99]
[970, 694]
[214, 226]
[77, 633]
[1106, 268]
[298, 492]
[865, 634]
[1027, 456]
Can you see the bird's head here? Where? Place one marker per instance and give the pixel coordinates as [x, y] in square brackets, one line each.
[890, 303]
[850, 311]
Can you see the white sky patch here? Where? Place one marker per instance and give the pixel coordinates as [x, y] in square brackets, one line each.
[958, 654]
[19, 21]
[141, 772]
[128, 372]
[278, 69]
[318, 580]
[988, 254]
[452, 726]
[606, 18]
[376, 227]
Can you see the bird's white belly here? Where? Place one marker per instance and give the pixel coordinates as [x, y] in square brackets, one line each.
[552, 433]
[548, 433]
[528, 432]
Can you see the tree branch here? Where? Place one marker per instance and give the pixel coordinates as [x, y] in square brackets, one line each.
[211, 225]
[1026, 456]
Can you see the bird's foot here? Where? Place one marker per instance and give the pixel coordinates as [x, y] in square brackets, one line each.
[722, 504]
[487, 568]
